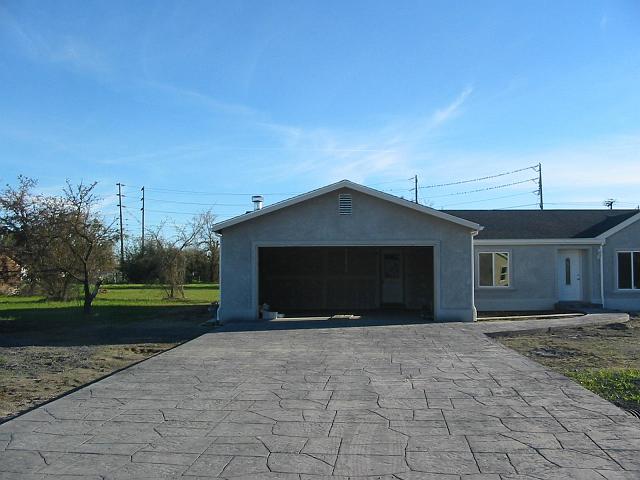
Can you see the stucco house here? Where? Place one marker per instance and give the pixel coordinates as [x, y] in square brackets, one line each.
[346, 247]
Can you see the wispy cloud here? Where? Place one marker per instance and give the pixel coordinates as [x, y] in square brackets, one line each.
[362, 155]
[445, 114]
[202, 100]
[581, 171]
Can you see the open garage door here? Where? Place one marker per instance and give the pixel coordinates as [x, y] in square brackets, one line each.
[341, 279]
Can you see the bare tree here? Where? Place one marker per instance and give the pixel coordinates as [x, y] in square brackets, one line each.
[58, 240]
[208, 240]
[171, 253]
[86, 241]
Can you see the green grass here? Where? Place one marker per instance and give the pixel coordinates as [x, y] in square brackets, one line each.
[114, 303]
[620, 386]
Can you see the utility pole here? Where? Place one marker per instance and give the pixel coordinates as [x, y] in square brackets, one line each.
[540, 186]
[415, 187]
[142, 210]
[120, 185]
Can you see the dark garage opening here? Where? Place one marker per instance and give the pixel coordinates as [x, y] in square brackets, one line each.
[338, 280]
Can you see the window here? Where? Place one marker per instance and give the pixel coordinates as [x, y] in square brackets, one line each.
[344, 204]
[629, 270]
[493, 269]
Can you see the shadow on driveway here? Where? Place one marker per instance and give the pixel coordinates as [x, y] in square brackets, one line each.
[377, 318]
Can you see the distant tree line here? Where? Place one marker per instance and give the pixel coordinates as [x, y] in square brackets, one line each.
[190, 254]
[55, 243]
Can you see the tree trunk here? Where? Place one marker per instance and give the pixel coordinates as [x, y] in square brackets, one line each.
[89, 296]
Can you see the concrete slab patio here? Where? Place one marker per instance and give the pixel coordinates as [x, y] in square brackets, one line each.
[433, 401]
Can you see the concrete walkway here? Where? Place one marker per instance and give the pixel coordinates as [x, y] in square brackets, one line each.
[410, 402]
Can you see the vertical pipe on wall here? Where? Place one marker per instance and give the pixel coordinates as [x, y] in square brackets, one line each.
[601, 252]
[473, 279]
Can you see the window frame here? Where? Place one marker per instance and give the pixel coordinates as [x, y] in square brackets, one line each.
[509, 269]
[632, 289]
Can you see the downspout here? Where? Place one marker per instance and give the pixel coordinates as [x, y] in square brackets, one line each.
[473, 278]
[219, 314]
[601, 253]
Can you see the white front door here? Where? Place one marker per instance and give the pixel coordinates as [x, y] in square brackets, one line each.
[569, 275]
[392, 290]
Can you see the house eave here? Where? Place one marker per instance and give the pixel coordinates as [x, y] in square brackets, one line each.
[538, 241]
[218, 227]
[622, 225]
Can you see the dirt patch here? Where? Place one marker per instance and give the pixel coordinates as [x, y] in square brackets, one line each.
[603, 358]
[32, 375]
[554, 352]
[48, 348]
[38, 365]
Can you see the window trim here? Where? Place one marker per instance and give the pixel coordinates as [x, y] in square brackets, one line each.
[509, 269]
[617, 272]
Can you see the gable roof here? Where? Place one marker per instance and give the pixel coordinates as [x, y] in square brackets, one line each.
[353, 186]
[547, 224]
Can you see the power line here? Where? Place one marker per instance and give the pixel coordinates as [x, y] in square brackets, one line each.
[132, 216]
[479, 179]
[488, 199]
[495, 187]
[199, 203]
[518, 206]
[595, 202]
[390, 181]
[194, 192]
[185, 213]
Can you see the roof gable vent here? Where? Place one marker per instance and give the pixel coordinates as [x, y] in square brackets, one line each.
[344, 204]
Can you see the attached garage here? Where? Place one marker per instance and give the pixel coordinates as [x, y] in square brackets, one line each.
[345, 248]
[345, 279]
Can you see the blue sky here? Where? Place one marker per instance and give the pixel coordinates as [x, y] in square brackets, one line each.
[281, 97]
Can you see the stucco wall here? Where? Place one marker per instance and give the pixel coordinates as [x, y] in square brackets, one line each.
[626, 239]
[373, 222]
[533, 278]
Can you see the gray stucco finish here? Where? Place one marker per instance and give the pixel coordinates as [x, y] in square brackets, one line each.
[534, 280]
[373, 222]
[533, 277]
[626, 239]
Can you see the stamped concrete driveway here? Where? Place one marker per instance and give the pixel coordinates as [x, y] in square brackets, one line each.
[391, 402]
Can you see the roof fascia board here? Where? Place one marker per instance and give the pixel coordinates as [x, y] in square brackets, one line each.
[414, 206]
[620, 226]
[353, 186]
[538, 241]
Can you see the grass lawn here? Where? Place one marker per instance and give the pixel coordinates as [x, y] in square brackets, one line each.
[605, 359]
[47, 348]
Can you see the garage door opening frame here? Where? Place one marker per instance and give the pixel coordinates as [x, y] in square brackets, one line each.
[255, 267]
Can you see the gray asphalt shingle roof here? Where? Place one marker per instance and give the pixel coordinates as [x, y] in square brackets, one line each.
[538, 224]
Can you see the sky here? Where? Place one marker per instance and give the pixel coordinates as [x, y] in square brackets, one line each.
[207, 102]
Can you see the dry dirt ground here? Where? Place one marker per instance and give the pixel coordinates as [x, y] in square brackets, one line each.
[38, 366]
[32, 375]
[605, 359]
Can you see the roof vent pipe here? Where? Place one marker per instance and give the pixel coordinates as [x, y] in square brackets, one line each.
[257, 202]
